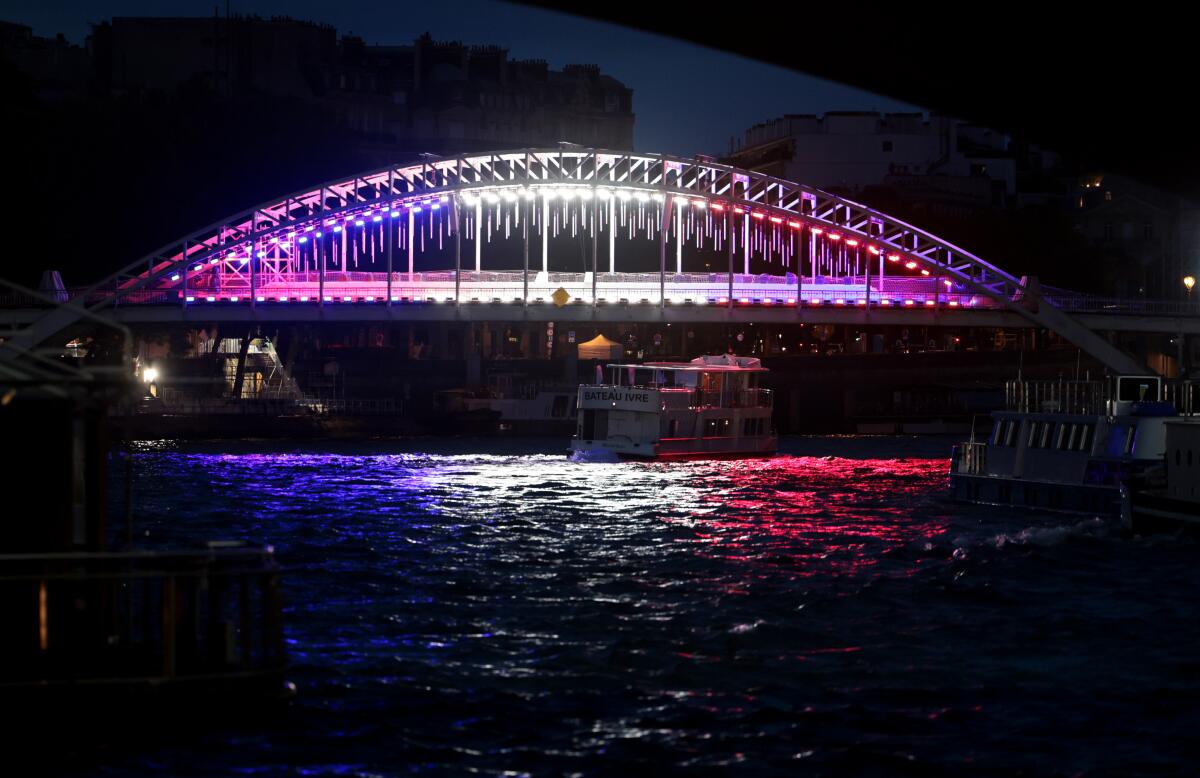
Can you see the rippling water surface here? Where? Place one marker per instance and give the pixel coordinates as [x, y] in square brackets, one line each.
[825, 611]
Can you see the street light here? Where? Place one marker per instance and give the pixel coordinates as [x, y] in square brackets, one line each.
[1189, 282]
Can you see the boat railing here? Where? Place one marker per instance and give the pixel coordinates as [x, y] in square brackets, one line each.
[1184, 395]
[970, 458]
[738, 398]
[677, 397]
[1078, 397]
[1091, 397]
[141, 617]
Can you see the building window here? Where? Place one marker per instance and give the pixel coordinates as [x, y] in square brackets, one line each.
[887, 145]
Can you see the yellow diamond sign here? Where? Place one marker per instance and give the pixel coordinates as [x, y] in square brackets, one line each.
[561, 297]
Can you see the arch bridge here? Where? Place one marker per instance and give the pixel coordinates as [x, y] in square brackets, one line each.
[586, 228]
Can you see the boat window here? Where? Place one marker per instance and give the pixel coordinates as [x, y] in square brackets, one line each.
[1085, 437]
[1129, 435]
[998, 433]
[1061, 437]
[1071, 439]
[1011, 434]
[1034, 429]
[1047, 428]
[714, 428]
[673, 428]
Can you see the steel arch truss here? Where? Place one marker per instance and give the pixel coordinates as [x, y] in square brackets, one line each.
[261, 242]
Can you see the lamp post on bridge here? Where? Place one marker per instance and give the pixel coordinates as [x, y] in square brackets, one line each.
[1188, 283]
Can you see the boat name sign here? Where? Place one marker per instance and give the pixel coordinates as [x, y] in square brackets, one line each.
[625, 399]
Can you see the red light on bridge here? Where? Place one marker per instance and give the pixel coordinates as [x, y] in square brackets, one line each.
[851, 242]
[776, 220]
[795, 225]
[893, 257]
[834, 236]
[910, 265]
[758, 215]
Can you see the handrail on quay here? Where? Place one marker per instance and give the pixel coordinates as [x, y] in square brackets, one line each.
[141, 618]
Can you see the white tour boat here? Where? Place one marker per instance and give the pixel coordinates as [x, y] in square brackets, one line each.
[709, 407]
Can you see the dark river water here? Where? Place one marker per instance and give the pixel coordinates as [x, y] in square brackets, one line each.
[828, 611]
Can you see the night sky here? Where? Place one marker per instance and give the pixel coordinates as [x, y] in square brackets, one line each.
[688, 99]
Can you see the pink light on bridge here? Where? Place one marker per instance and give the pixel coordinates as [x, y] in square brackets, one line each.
[834, 236]
[758, 215]
[911, 265]
[851, 242]
[776, 220]
[795, 225]
[817, 230]
[893, 257]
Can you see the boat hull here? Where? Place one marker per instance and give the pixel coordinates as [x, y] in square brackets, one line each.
[1090, 499]
[1148, 512]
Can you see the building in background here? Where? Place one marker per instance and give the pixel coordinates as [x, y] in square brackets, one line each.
[430, 95]
[1149, 239]
[937, 160]
[1007, 200]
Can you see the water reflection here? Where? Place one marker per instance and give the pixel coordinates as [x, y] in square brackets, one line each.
[451, 611]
